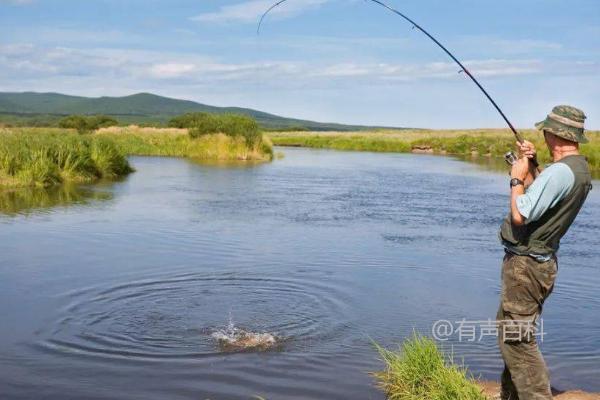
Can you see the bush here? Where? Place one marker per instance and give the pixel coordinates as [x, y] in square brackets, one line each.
[200, 124]
[87, 123]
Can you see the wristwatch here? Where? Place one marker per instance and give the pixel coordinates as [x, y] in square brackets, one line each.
[516, 182]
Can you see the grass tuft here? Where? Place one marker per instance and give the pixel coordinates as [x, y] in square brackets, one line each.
[47, 158]
[420, 371]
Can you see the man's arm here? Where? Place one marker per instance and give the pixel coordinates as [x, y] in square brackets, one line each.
[526, 172]
[520, 170]
[517, 218]
[550, 187]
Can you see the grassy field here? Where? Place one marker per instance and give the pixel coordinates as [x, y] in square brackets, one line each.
[420, 371]
[489, 143]
[30, 158]
[177, 143]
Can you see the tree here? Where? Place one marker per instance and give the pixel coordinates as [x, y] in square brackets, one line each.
[87, 123]
[199, 124]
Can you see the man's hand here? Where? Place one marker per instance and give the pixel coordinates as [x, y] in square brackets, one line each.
[520, 169]
[526, 149]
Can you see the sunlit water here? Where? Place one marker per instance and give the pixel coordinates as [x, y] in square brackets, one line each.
[127, 291]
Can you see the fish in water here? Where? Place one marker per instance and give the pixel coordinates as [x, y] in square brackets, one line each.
[236, 339]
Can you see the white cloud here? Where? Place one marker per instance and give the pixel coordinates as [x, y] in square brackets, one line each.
[171, 70]
[251, 11]
[438, 70]
[26, 61]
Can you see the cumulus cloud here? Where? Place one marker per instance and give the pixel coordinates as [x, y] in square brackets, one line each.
[250, 11]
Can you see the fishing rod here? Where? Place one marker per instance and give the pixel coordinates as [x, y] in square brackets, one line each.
[456, 60]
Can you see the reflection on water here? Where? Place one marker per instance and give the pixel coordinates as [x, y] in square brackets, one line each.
[29, 200]
[496, 164]
[321, 252]
[227, 163]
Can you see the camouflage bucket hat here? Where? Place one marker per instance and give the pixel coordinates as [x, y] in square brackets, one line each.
[566, 122]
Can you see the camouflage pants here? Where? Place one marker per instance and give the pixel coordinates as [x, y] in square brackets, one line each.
[526, 284]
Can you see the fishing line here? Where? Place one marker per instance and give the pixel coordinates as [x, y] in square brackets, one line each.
[419, 27]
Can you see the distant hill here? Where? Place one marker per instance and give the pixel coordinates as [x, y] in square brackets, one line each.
[142, 108]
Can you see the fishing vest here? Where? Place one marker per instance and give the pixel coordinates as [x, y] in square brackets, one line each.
[543, 236]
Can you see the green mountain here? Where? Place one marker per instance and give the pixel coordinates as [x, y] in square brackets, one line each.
[142, 108]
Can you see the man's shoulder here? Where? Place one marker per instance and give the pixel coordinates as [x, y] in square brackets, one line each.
[559, 170]
[554, 182]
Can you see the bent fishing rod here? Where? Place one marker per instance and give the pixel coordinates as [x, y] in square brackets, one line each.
[419, 27]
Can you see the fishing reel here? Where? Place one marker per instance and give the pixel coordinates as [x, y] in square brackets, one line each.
[510, 158]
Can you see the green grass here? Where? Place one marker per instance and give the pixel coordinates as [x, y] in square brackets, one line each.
[177, 143]
[490, 143]
[29, 159]
[420, 371]
[343, 142]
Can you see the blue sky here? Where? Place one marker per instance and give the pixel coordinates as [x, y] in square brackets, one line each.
[328, 60]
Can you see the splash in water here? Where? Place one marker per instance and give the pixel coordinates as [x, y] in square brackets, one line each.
[233, 338]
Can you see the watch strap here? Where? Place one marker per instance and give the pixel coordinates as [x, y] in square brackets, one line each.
[516, 182]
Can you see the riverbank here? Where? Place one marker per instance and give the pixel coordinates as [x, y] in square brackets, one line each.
[492, 391]
[420, 370]
[476, 143]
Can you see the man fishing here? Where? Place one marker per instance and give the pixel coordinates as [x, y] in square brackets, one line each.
[542, 208]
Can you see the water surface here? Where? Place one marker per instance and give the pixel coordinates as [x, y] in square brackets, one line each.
[117, 296]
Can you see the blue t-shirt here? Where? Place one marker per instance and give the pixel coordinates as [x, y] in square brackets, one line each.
[551, 186]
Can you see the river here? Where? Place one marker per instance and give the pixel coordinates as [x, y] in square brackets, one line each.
[113, 291]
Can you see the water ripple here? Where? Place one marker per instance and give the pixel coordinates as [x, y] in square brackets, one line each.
[173, 317]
